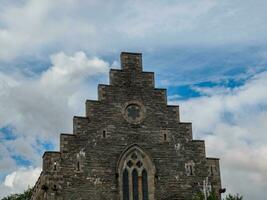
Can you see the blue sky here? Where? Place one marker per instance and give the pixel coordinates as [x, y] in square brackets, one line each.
[211, 55]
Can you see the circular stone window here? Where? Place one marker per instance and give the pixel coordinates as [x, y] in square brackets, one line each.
[134, 112]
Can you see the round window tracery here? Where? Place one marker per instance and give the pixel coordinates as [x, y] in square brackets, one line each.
[134, 112]
[134, 160]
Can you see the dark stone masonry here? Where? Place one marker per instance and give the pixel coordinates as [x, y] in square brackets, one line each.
[130, 145]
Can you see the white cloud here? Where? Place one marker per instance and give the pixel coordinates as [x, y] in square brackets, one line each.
[19, 180]
[46, 100]
[41, 107]
[7, 164]
[233, 123]
[70, 70]
[37, 27]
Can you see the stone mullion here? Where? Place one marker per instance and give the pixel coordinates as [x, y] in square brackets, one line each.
[130, 184]
[140, 191]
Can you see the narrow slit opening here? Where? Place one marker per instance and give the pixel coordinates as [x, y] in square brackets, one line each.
[78, 166]
[104, 134]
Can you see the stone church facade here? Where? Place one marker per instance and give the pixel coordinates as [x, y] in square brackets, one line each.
[130, 145]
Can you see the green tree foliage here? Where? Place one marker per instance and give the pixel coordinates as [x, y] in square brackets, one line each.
[212, 197]
[26, 195]
[200, 196]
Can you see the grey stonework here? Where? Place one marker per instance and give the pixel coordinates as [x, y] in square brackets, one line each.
[131, 116]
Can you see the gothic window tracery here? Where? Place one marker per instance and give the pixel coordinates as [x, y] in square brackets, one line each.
[134, 112]
[136, 173]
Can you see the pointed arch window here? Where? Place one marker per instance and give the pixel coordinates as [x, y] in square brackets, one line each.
[137, 173]
[125, 185]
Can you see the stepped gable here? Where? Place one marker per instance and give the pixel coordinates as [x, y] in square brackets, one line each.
[129, 145]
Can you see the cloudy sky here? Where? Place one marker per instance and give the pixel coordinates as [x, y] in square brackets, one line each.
[211, 55]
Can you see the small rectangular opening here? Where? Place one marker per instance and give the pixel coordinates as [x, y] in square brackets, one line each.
[78, 166]
[165, 137]
[191, 169]
[55, 166]
[104, 134]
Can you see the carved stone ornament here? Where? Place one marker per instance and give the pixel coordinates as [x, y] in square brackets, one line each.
[134, 112]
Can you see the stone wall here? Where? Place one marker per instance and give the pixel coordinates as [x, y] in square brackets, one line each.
[129, 112]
